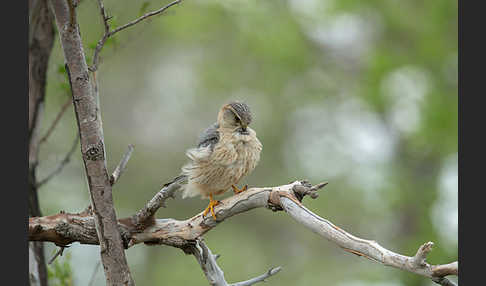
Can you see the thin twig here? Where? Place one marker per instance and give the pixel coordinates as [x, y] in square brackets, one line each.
[148, 212]
[56, 120]
[121, 166]
[214, 273]
[260, 278]
[145, 17]
[59, 252]
[104, 16]
[61, 165]
[108, 33]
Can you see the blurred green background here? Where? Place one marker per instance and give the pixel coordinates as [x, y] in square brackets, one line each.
[362, 94]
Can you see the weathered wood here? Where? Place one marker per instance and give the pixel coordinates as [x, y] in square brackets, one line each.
[92, 145]
[183, 234]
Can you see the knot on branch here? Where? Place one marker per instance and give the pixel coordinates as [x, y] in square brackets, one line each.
[95, 152]
[299, 191]
[125, 235]
[305, 188]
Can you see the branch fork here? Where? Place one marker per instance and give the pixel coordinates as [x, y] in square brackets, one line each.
[143, 227]
[109, 33]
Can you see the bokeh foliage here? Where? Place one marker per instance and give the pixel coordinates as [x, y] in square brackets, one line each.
[362, 94]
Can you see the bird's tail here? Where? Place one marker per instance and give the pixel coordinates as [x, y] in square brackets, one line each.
[188, 190]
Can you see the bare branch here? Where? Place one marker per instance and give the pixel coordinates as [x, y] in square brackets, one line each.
[182, 234]
[58, 252]
[121, 166]
[108, 33]
[104, 17]
[56, 120]
[62, 164]
[261, 278]
[214, 274]
[207, 261]
[361, 247]
[150, 14]
[101, 42]
[446, 269]
[146, 215]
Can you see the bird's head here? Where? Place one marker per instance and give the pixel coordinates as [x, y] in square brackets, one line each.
[236, 116]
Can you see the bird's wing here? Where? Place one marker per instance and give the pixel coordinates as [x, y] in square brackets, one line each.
[209, 137]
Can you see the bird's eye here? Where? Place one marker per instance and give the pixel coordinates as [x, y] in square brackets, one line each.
[237, 119]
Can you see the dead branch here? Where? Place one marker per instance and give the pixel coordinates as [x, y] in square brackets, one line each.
[107, 34]
[120, 168]
[59, 252]
[212, 271]
[67, 228]
[207, 261]
[367, 248]
[261, 278]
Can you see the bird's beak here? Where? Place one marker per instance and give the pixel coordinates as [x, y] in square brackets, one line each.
[243, 129]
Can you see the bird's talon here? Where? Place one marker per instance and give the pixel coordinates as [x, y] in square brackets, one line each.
[237, 191]
[212, 204]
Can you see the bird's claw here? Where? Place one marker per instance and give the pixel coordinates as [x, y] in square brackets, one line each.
[212, 204]
[237, 191]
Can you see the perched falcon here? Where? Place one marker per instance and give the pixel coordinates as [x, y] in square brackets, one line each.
[227, 151]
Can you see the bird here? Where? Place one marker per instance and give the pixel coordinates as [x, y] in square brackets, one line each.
[226, 151]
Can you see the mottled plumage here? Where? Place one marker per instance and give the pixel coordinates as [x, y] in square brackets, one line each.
[226, 151]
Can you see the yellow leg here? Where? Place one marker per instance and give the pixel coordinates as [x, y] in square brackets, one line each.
[237, 191]
[212, 204]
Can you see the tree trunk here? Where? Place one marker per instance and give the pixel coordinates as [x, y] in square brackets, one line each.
[41, 38]
[92, 145]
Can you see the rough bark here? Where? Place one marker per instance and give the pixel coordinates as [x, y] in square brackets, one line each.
[92, 145]
[68, 228]
[41, 38]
